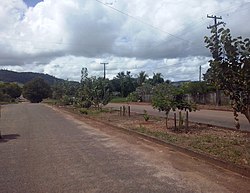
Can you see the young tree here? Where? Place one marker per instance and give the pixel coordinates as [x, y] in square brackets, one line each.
[230, 69]
[94, 91]
[36, 90]
[163, 98]
[167, 97]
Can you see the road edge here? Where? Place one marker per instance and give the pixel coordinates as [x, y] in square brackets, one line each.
[244, 171]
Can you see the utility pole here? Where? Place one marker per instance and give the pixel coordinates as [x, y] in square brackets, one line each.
[104, 69]
[200, 74]
[215, 27]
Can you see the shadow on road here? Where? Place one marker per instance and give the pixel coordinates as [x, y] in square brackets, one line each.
[6, 138]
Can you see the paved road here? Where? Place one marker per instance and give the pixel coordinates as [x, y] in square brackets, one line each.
[47, 151]
[219, 118]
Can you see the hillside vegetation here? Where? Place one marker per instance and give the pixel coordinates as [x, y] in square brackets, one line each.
[24, 77]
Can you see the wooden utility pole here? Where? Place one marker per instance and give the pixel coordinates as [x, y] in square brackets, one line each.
[215, 26]
[200, 74]
[104, 69]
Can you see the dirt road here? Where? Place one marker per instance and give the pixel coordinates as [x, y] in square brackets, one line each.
[218, 118]
[45, 150]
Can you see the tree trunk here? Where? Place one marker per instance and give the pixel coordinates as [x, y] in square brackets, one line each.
[236, 120]
[218, 97]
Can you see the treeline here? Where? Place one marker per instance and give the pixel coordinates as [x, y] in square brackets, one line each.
[97, 91]
[93, 91]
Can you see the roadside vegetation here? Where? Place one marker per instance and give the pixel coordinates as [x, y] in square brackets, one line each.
[229, 71]
[9, 92]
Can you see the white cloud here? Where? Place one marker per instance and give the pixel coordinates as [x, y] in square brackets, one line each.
[60, 36]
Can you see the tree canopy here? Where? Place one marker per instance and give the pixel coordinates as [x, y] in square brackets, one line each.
[36, 90]
[230, 68]
[9, 91]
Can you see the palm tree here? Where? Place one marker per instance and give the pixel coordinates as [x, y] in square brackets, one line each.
[142, 76]
[157, 78]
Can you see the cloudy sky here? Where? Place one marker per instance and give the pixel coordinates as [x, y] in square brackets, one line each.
[59, 37]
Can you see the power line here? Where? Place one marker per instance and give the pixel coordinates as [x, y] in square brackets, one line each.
[141, 21]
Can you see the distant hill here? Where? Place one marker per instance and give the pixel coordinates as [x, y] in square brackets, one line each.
[23, 77]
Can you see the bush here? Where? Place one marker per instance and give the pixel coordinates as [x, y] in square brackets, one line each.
[85, 104]
[83, 111]
[66, 100]
[145, 115]
[133, 97]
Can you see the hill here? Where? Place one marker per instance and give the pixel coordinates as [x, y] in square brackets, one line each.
[23, 77]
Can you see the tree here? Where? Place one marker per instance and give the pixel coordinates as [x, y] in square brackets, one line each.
[157, 79]
[167, 97]
[101, 94]
[163, 98]
[230, 69]
[9, 92]
[196, 89]
[124, 83]
[94, 91]
[142, 76]
[13, 90]
[36, 90]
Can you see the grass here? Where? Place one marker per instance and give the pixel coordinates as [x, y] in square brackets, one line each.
[158, 134]
[92, 111]
[50, 101]
[119, 100]
[231, 149]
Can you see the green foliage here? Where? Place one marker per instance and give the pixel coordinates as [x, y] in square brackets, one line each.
[157, 79]
[66, 100]
[24, 77]
[180, 102]
[93, 91]
[83, 111]
[230, 68]
[167, 97]
[141, 78]
[145, 115]
[9, 92]
[140, 92]
[119, 100]
[133, 97]
[163, 97]
[124, 83]
[196, 88]
[36, 90]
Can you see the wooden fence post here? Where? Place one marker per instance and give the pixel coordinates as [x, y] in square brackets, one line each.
[186, 125]
[124, 110]
[175, 122]
[120, 111]
[129, 111]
